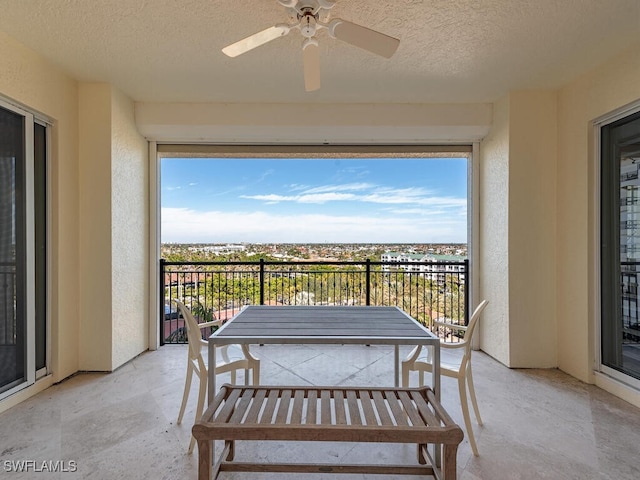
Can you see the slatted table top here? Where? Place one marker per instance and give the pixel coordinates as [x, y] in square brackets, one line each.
[323, 324]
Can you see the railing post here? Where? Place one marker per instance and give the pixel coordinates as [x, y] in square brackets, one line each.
[262, 281]
[368, 283]
[467, 300]
[161, 297]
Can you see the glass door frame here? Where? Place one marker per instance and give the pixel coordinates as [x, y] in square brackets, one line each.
[46, 369]
[598, 126]
[31, 119]
[29, 307]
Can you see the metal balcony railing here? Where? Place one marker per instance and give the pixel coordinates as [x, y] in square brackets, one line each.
[425, 290]
[630, 301]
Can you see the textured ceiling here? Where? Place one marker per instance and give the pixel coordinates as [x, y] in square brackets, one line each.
[450, 50]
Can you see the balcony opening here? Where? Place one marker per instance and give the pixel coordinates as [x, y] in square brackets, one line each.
[314, 225]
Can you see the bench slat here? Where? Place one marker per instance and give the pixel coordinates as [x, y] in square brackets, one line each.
[398, 414]
[311, 407]
[325, 407]
[242, 405]
[283, 408]
[426, 414]
[338, 400]
[367, 408]
[272, 398]
[256, 406]
[410, 409]
[381, 408]
[296, 410]
[354, 410]
[229, 405]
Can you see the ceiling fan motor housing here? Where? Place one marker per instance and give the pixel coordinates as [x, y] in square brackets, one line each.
[308, 24]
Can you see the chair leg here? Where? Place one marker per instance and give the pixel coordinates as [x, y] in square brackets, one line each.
[405, 376]
[256, 374]
[472, 394]
[185, 395]
[465, 413]
[200, 407]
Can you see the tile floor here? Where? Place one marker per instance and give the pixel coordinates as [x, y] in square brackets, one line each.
[538, 424]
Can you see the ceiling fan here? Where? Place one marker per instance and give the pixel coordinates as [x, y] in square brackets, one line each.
[309, 16]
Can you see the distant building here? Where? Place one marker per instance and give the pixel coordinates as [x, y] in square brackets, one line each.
[405, 261]
[437, 266]
[220, 249]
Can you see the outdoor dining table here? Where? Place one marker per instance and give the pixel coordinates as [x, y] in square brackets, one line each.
[298, 324]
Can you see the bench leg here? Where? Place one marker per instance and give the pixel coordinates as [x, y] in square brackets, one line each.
[204, 459]
[231, 445]
[449, 467]
[421, 458]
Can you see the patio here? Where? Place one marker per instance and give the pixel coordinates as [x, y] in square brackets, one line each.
[537, 423]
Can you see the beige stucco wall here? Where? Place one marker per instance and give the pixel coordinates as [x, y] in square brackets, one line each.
[538, 199]
[113, 237]
[129, 220]
[99, 216]
[532, 229]
[27, 78]
[603, 90]
[494, 235]
[518, 228]
[95, 222]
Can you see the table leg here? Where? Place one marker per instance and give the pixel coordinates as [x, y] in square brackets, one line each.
[436, 370]
[396, 365]
[211, 391]
[436, 387]
[211, 372]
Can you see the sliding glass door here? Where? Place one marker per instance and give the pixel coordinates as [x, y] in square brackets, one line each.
[23, 233]
[620, 247]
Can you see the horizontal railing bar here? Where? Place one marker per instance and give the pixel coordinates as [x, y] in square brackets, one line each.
[274, 262]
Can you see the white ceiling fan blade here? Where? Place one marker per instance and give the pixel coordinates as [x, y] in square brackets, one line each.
[255, 40]
[363, 37]
[311, 60]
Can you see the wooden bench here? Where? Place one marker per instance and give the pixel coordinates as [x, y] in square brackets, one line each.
[333, 414]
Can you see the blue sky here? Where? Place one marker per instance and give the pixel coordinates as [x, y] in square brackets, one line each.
[314, 201]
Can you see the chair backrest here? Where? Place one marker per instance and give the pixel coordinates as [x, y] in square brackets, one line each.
[193, 331]
[471, 327]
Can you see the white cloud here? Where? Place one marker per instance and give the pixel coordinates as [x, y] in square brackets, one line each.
[190, 226]
[362, 192]
[349, 187]
[305, 198]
